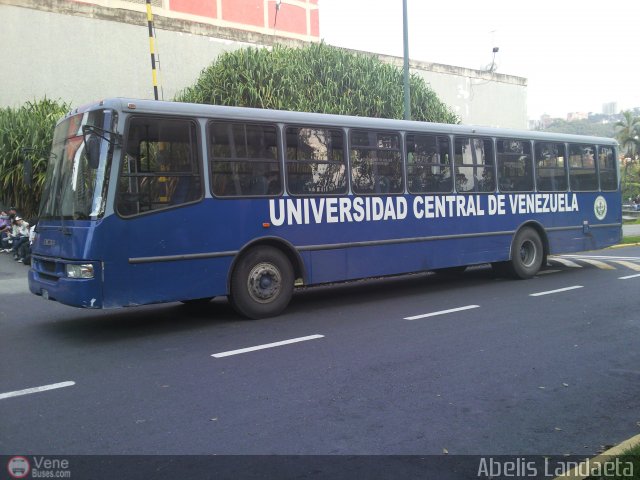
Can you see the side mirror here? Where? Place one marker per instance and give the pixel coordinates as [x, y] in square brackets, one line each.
[92, 149]
[27, 172]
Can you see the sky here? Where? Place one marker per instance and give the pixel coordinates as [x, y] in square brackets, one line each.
[576, 55]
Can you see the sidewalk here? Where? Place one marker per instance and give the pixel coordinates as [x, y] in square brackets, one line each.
[630, 230]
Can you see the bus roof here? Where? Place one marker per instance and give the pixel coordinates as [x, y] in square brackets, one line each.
[156, 107]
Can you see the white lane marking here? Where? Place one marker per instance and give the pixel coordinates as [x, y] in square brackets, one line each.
[565, 262]
[632, 266]
[629, 276]
[597, 263]
[601, 257]
[44, 388]
[442, 312]
[267, 345]
[555, 291]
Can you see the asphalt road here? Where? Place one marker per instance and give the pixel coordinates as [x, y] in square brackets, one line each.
[505, 372]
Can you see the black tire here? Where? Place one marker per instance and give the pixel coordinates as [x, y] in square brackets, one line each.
[527, 254]
[501, 269]
[261, 283]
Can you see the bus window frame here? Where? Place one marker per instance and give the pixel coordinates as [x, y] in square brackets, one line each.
[531, 164]
[595, 165]
[406, 160]
[279, 159]
[403, 159]
[468, 136]
[123, 152]
[345, 162]
[565, 165]
[615, 168]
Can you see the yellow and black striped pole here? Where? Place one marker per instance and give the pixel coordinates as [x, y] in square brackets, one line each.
[152, 49]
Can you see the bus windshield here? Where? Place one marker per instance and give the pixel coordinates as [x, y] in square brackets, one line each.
[73, 189]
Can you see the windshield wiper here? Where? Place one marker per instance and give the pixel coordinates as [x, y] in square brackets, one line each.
[114, 138]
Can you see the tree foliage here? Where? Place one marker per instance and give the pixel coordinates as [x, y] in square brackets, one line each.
[628, 134]
[581, 127]
[316, 78]
[26, 132]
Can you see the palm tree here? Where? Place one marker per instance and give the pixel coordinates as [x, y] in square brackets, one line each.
[628, 136]
[628, 133]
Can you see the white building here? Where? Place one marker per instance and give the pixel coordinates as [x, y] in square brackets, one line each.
[83, 51]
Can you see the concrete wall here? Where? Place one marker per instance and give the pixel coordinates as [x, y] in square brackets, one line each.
[82, 52]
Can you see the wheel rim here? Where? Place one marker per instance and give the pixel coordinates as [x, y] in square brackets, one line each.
[264, 282]
[528, 253]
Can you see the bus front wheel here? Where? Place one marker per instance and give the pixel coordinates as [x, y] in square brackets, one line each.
[527, 254]
[261, 283]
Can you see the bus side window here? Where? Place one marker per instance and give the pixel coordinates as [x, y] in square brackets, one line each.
[474, 165]
[315, 161]
[428, 164]
[160, 168]
[551, 170]
[376, 162]
[607, 169]
[515, 167]
[582, 168]
[243, 159]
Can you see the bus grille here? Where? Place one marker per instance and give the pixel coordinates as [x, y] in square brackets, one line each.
[47, 266]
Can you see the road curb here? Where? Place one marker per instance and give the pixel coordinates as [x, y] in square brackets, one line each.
[622, 245]
[603, 458]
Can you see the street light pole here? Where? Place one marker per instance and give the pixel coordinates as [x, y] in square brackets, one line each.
[407, 104]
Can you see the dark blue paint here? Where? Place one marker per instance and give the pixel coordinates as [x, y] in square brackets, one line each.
[215, 225]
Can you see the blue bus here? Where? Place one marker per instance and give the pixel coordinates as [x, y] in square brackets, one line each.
[148, 202]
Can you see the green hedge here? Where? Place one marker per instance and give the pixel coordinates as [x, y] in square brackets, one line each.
[316, 78]
[28, 126]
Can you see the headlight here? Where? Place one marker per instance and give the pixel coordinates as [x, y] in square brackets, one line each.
[80, 271]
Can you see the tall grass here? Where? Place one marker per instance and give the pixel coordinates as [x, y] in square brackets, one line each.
[316, 78]
[29, 126]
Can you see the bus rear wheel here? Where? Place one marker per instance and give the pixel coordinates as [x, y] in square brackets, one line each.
[261, 283]
[527, 254]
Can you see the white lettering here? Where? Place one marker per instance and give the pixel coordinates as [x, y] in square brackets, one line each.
[358, 209]
[279, 220]
[294, 212]
[378, 209]
[428, 207]
[332, 210]
[318, 210]
[389, 211]
[441, 209]
[401, 208]
[418, 211]
[345, 210]
[357, 206]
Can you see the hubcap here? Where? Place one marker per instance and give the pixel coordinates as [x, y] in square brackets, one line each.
[264, 282]
[528, 253]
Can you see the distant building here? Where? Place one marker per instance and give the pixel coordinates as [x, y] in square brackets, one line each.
[574, 116]
[545, 121]
[81, 51]
[610, 108]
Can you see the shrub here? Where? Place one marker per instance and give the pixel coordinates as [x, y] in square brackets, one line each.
[29, 126]
[317, 78]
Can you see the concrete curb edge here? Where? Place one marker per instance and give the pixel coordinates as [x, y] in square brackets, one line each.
[602, 458]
